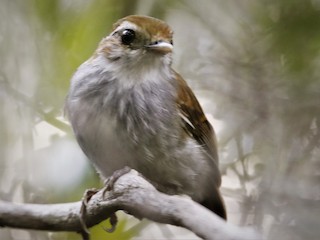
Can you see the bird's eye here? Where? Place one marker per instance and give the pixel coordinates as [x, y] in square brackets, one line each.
[128, 36]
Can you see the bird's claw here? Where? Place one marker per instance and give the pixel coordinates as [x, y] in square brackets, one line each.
[83, 210]
[113, 221]
[109, 183]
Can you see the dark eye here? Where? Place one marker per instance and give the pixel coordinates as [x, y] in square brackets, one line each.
[128, 36]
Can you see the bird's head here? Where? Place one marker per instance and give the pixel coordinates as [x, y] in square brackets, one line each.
[138, 40]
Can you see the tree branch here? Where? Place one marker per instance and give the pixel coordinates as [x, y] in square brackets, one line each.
[133, 194]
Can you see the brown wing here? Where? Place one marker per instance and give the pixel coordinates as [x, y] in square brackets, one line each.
[197, 126]
[195, 122]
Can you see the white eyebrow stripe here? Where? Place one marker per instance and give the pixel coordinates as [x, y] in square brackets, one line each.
[125, 25]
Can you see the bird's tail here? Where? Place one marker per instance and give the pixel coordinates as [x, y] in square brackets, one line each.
[216, 204]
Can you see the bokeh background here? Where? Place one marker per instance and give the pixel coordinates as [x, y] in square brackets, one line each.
[254, 65]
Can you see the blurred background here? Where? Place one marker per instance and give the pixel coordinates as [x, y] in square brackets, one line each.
[254, 65]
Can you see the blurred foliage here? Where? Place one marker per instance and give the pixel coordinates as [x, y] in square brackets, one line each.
[99, 232]
[255, 65]
[71, 33]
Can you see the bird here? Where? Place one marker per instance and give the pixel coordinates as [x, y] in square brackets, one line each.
[129, 108]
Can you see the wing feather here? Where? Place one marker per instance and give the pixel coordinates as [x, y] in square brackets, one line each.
[196, 124]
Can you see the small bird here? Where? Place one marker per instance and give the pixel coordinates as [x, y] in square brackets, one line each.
[128, 107]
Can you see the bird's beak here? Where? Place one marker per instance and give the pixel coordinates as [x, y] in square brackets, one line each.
[160, 47]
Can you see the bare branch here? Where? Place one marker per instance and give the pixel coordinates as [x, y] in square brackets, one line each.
[133, 194]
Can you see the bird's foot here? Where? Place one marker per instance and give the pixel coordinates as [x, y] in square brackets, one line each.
[109, 183]
[83, 210]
